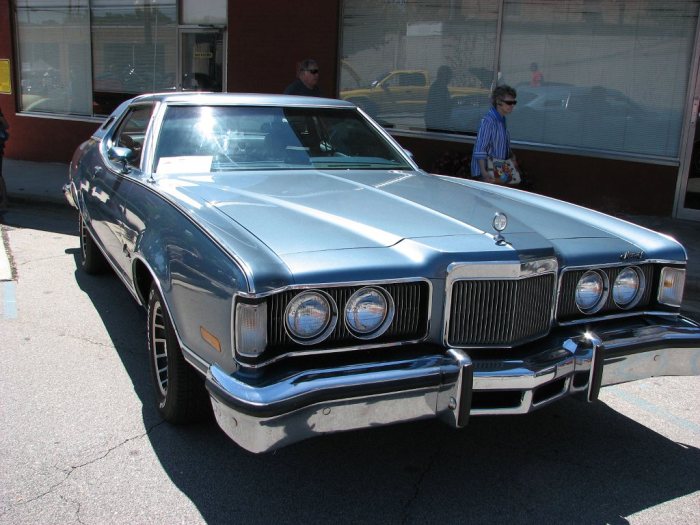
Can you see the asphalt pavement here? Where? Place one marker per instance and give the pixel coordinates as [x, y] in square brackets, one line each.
[41, 183]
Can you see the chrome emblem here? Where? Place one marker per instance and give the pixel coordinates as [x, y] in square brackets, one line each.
[500, 221]
[631, 255]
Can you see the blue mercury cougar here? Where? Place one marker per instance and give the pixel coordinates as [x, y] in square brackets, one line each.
[302, 275]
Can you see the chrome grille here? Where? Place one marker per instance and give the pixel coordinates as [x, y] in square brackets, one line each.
[500, 312]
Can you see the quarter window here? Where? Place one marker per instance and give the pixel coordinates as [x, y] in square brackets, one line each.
[131, 133]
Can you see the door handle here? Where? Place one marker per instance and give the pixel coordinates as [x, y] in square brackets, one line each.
[696, 108]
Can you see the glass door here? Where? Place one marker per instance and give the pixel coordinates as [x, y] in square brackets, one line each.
[691, 200]
[202, 60]
[687, 204]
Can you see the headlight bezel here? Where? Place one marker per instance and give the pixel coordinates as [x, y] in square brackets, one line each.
[321, 334]
[639, 292]
[379, 327]
[602, 297]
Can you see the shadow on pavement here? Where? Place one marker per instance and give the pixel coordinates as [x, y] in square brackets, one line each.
[44, 218]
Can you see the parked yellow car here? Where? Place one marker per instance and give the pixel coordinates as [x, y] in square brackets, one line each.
[405, 91]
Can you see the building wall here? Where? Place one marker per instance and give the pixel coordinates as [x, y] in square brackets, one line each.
[265, 41]
[267, 38]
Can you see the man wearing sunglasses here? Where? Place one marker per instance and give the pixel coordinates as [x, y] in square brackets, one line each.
[493, 139]
[306, 83]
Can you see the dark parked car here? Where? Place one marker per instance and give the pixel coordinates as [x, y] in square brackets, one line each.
[303, 275]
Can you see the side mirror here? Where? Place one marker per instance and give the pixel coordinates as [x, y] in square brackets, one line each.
[122, 155]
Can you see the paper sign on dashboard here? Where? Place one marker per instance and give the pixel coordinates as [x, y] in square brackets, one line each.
[185, 164]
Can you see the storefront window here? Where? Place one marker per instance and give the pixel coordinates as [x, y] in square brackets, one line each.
[393, 51]
[54, 56]
[203, 12]
[134, 49]
[597, 75]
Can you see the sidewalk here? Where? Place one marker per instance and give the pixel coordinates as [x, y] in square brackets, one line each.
[42, 182]
[35, 181]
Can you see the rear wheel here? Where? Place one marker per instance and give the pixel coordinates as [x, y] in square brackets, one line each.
[91, 258]
[180, 393]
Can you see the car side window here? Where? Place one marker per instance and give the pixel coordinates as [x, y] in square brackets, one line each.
[131, 132]
[412, 79]
[391, 81]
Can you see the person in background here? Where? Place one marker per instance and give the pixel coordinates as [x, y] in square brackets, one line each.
[4, 126]
[537, 77]
[306, 83]
[493, 139]
[438, 107]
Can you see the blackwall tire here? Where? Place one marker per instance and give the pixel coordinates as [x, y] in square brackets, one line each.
[180, 393]
[92, 260]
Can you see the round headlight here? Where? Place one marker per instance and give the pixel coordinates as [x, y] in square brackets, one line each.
[627, 288]
[310, 317]
[591, 292]
[368, 312]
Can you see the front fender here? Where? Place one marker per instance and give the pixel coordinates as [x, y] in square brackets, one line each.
[196, 277]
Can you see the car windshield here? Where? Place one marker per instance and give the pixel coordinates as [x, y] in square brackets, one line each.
[202, 139]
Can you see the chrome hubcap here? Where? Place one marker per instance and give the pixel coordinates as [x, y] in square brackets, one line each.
[83, 239]
[159, 350]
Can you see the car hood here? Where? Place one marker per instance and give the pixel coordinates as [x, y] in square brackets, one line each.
[296, 212]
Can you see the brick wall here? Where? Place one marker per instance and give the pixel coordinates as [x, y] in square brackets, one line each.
[267, 38]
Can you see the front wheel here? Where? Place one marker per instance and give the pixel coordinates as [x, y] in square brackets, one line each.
[180, 393]
[91, 258]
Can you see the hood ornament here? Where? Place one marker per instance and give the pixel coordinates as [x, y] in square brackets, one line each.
[500, 221]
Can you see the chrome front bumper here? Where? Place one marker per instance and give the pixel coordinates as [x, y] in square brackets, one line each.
[449, 385]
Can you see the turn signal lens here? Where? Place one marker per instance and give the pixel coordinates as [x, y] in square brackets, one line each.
[671, 286]
[251, 329]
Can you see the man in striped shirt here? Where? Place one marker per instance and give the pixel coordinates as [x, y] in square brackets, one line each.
[493, 139]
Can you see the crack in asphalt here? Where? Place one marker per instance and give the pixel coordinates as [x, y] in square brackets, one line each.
[27, 262]
[109, 345]
[77, 504]
[405, 515]
[72, 469]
